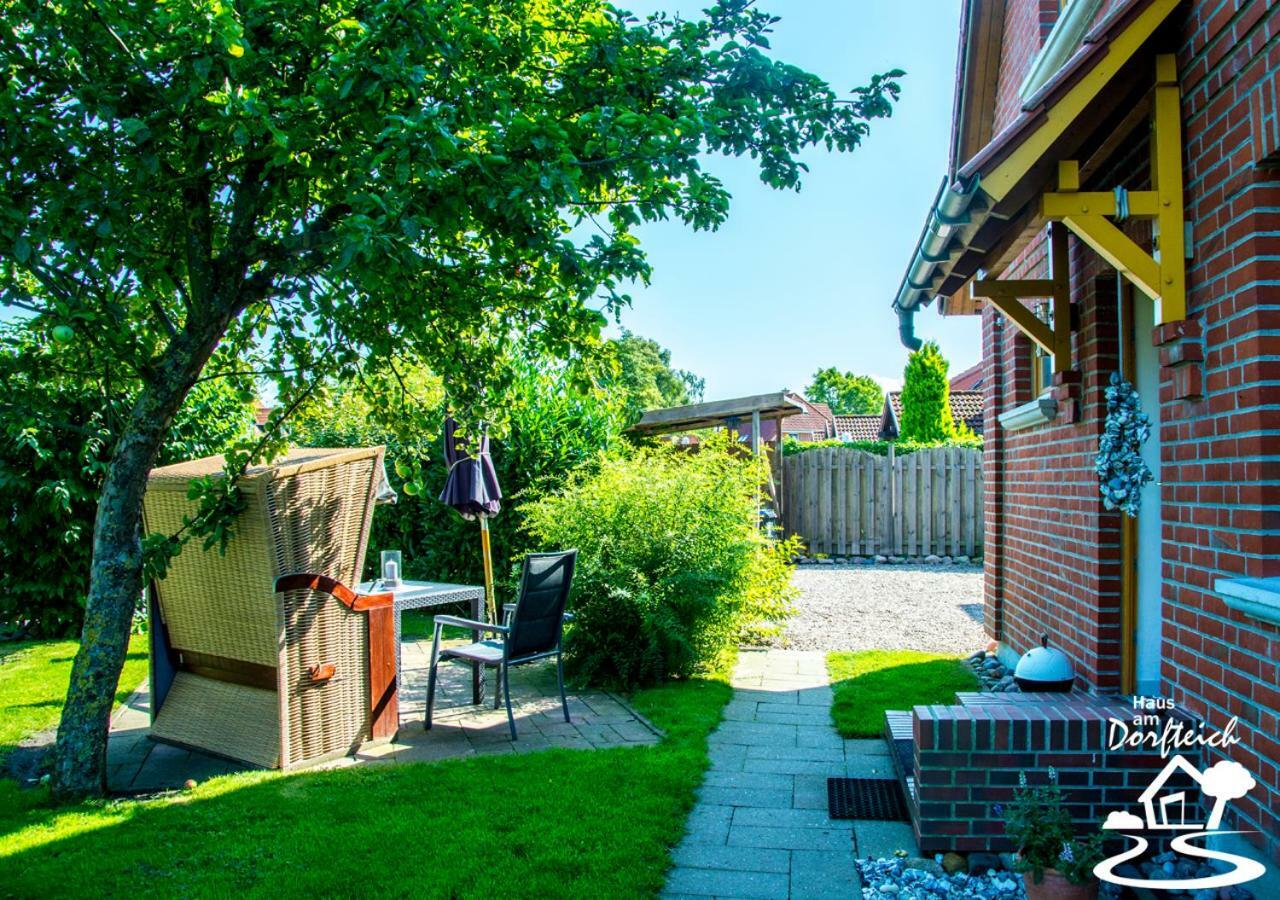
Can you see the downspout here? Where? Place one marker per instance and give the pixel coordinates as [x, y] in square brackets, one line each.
[907, 328]
[949, 213]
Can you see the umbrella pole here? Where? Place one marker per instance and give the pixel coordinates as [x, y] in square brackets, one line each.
[487, 553]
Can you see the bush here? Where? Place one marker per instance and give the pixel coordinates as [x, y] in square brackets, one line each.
[926, 399]
[549, 427]
[790, 446]
[671, 565]
[54, 450]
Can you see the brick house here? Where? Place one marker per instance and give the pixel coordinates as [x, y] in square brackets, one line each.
[1113, 204]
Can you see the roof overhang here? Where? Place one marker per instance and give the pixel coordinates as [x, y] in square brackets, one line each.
[718, 412]
[987, 211]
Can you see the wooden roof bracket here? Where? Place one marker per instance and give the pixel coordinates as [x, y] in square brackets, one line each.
[1160, 275]
[1007, 296]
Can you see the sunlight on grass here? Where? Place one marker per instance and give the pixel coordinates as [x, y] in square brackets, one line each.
[867, 682]
[33, 685]
[558, 822]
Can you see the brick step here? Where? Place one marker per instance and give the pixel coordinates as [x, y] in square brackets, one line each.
[984, 698]
[897, 733]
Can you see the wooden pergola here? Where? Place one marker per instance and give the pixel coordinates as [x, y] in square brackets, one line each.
[730, 414]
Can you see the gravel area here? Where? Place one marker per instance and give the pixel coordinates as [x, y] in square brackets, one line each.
[904, 607]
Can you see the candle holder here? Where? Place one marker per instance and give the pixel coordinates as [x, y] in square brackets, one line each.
[391, 568]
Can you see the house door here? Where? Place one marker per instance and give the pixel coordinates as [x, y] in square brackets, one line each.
[1149, 602]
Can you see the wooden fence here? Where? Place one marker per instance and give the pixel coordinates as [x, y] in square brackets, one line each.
[847, 502]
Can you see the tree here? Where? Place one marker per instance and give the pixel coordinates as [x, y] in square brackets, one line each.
[926, 399]
[319, 190]
[846, 393]
[646, 377]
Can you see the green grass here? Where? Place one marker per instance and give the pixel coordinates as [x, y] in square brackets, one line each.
[33, 684]
[559, 822]
[867, 682]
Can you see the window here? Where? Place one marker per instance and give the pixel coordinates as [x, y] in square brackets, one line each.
[1042, 360]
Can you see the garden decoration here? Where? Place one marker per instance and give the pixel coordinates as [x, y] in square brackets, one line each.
[1054, 861]
[1122, 473]
[472, 489]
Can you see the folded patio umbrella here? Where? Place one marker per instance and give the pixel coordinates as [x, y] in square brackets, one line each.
[472, 489]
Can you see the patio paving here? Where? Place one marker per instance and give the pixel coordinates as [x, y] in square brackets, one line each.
[599, 720]
[760, 826]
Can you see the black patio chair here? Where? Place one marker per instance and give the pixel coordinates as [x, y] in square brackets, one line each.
[533, 629]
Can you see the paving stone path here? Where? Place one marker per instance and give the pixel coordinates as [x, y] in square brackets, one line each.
[760, 826]
[599, 720]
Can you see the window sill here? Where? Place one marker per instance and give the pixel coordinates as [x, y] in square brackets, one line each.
[1028, 415]
[1256, 597]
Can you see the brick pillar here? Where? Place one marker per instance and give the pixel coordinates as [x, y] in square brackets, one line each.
[993, 391]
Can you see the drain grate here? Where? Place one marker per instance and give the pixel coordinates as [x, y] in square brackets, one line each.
[866, 798]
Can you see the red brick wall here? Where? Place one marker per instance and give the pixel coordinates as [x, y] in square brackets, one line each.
[1026, 24]
[1052, 552]
[1222, 454]
[970, 758]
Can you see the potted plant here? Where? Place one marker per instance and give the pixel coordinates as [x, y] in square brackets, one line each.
[1056, 863]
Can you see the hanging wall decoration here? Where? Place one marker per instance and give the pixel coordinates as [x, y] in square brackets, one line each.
[1120, 467]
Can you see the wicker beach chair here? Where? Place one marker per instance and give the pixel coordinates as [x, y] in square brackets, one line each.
[251, 661]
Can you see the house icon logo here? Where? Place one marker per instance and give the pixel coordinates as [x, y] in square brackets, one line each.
[1177, 808]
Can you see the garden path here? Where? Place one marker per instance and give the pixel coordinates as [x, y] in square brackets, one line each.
[760, 825]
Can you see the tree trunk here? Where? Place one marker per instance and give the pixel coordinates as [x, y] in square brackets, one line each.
[116, 574]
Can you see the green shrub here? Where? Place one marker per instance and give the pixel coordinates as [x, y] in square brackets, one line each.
[926, 399]
[549, 426]
[671, 568]
[791, 446]
[55, 444]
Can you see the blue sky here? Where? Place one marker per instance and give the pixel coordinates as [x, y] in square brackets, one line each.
[795, 282]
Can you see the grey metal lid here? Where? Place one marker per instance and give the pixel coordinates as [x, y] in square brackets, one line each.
[1045, 663]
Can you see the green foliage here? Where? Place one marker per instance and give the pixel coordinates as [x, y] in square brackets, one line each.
[846, 393]
[33, 681]
[646, 376]
[865, 683]
[791, 446]
[321, 188]
[926, 399]
[672, 566]
[549, 425]
[539, 821]
[56, 439]
[1039, 824]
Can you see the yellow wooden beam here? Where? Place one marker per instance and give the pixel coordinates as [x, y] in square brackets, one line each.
[1065, 113]
[1118, 248]
[1027, 288]
[1059, 205]
[1166, 177]
[1060, 269]
[1025, 320]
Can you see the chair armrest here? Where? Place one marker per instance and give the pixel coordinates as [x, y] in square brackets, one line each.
[470, 623]
[335, 589]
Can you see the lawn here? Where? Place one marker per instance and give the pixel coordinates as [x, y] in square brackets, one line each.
[33, 684]
[865, 683]
[559, 822]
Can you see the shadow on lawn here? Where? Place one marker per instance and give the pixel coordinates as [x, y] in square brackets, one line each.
[591, 823]
[866, 683]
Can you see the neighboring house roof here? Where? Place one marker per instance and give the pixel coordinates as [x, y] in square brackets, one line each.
[858, 428]
[968, 380]
[966, 407]
[262, 413]
[816, 419]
